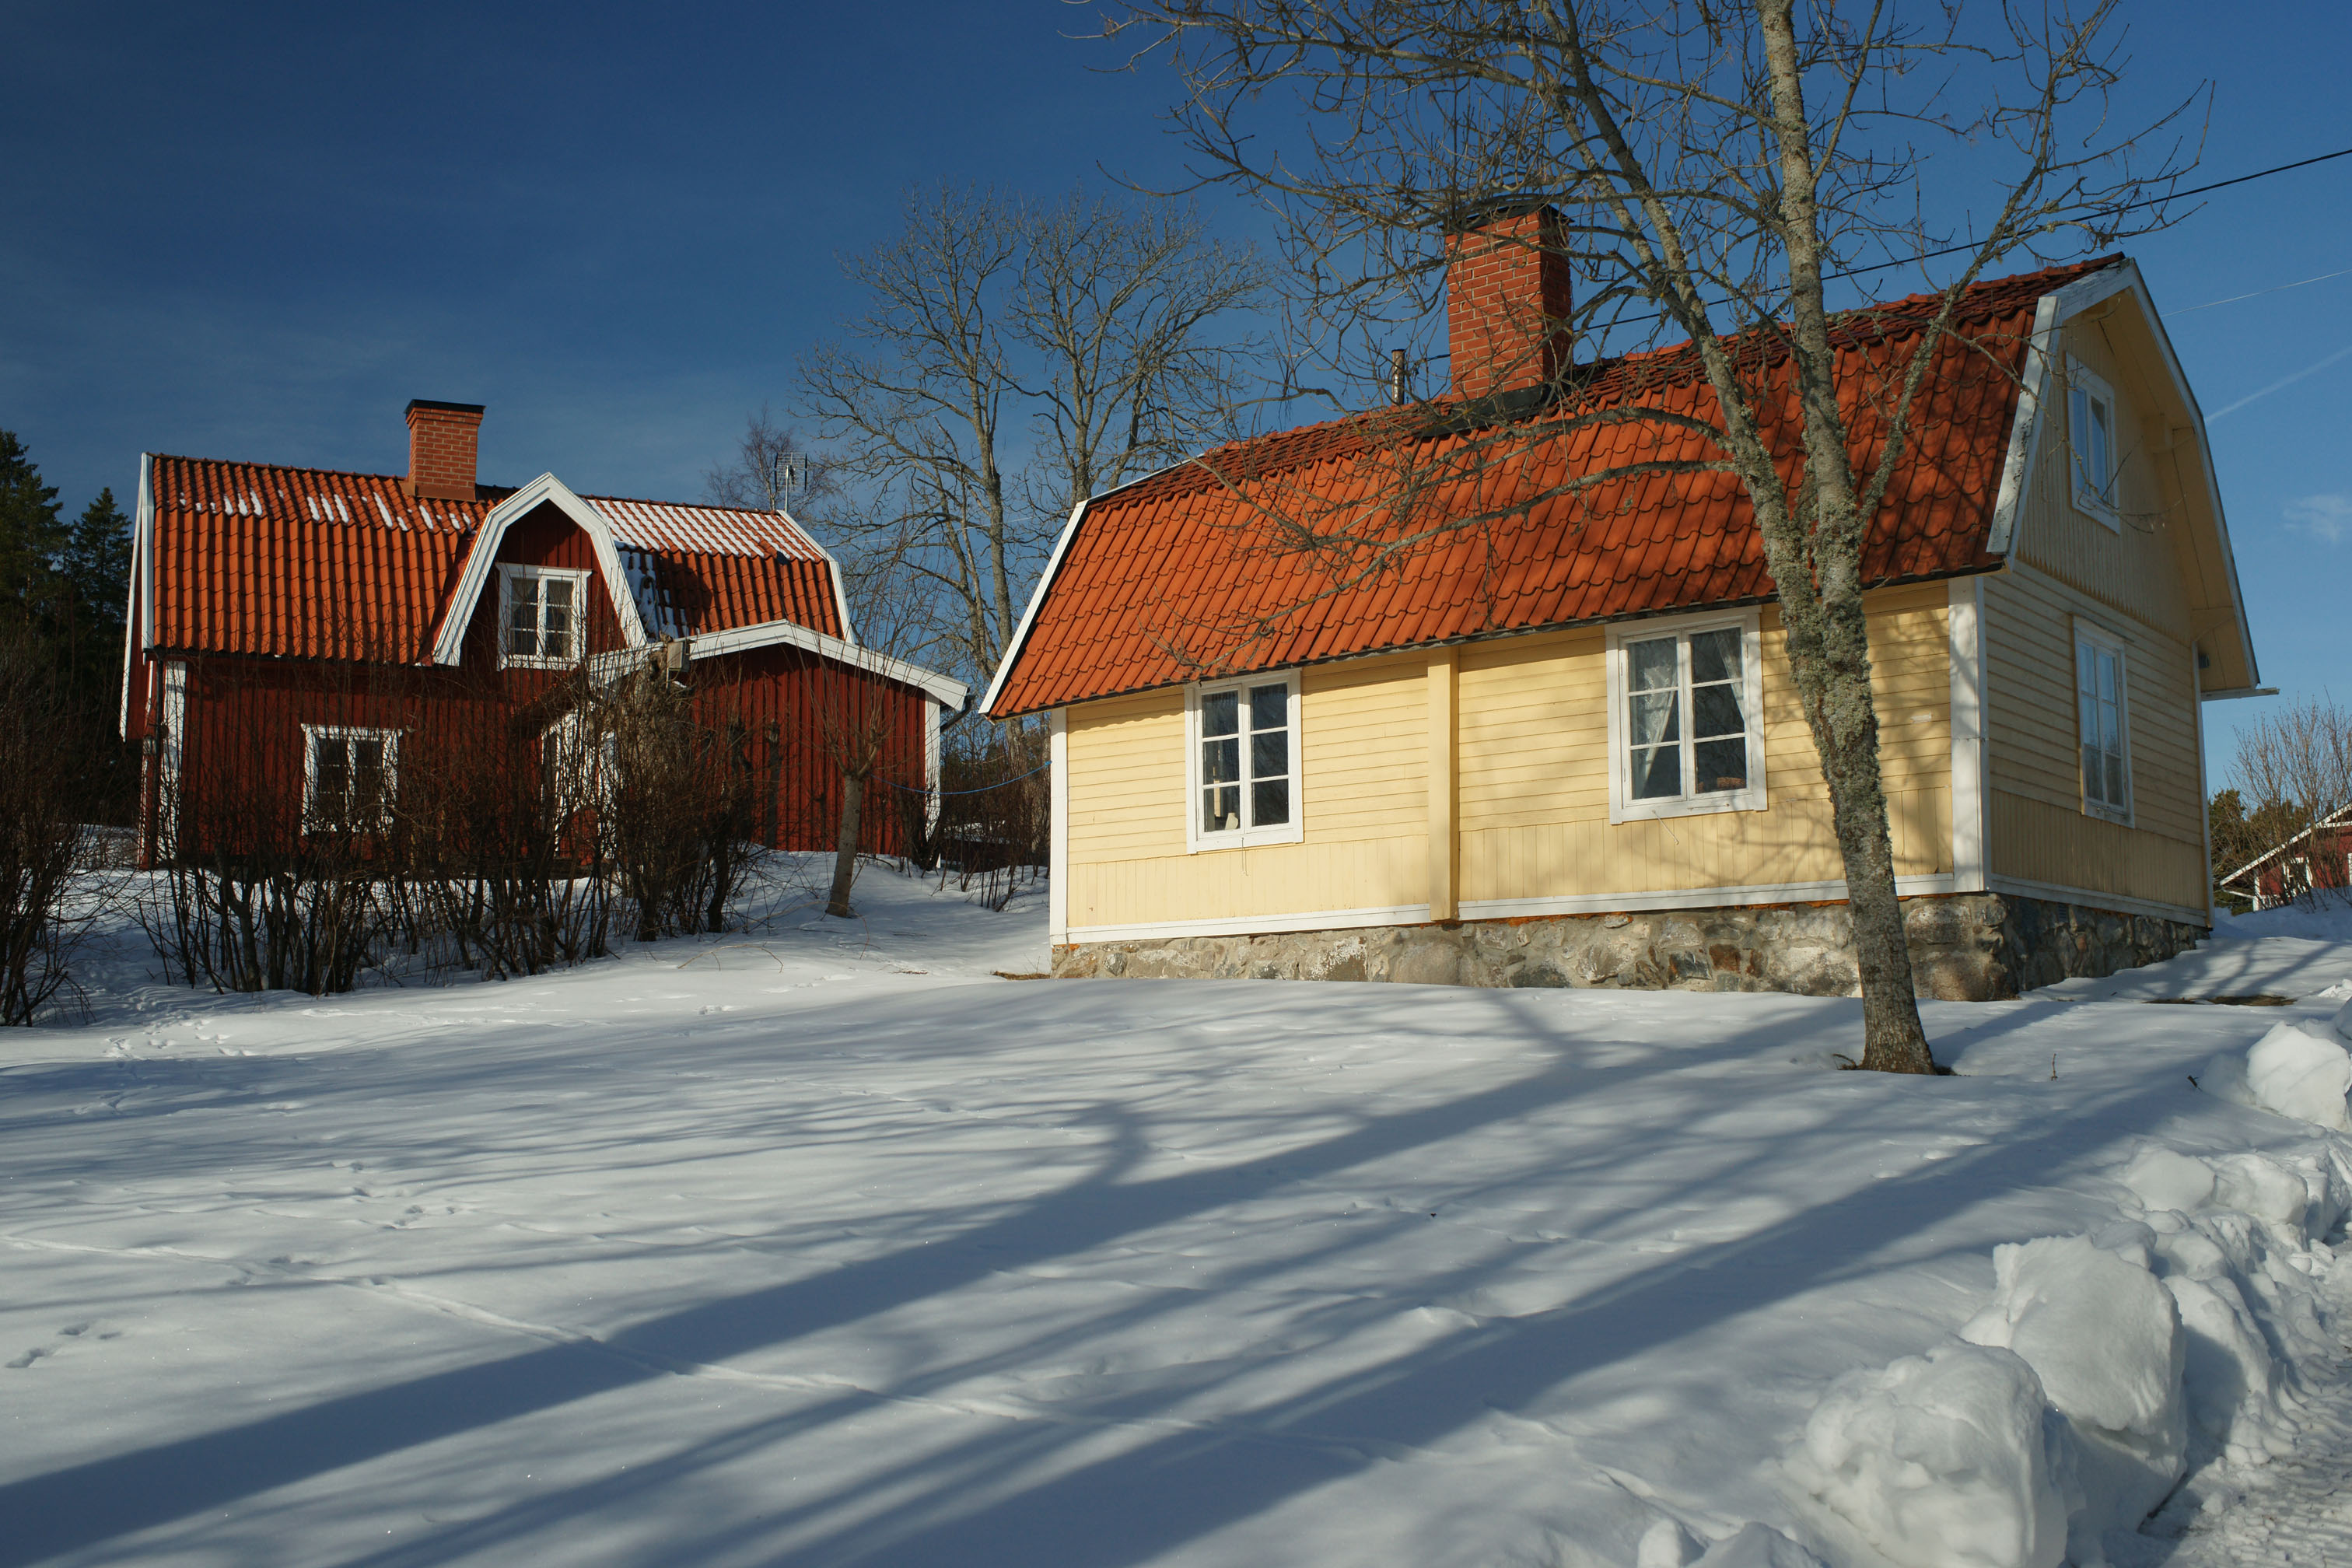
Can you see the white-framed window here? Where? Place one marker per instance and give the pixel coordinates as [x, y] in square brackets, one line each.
[1685, 716]
[1242, 764]
[539, 614]
[2091, 429]
[2103, 720]
[577, 767]
[349, 778]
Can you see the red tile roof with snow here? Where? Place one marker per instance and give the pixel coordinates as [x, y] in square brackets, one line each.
[256, 558]
[1395, 529]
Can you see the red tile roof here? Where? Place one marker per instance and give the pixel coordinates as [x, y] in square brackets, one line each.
[256, 558]
[1397, 529]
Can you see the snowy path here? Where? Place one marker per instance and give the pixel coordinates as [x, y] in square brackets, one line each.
[2297, 1509]
[829, 1248]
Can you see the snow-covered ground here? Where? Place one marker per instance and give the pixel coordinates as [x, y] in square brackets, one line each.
[823, 1244]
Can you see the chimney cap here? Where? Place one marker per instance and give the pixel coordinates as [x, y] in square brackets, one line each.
[1481, 212]
[474, 408]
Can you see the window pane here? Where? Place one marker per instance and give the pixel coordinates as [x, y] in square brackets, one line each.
[1269, 706]
[1720, 764]
[1650, 666]
[2111, 738]
[2107, 673]
[1658, 773]
[2084, 678]
[1652, 717]
[1715, 656]
[1270, 755]
[1220, 761]
[1270, 803]
[1220, 713]
[1715, 711]
[2093, 773]
[558, 591]
[1220, 809]
[2115, 781]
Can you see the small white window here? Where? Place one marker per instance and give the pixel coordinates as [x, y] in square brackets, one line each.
[349, 778]
[577, 769]
[2091, 435]
[1242, 764]
[2104, 714]
[1686, 721]
[539, 616]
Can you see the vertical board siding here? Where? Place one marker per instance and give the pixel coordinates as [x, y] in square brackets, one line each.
[2142, 565]
[1535, 762]
[1533, 787]
[1363, 750]
[2040, 830]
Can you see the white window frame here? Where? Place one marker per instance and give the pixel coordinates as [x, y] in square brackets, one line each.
[507, 574]
[1622, 805]
[601, 759]
[2091, 635]
[311, 735]
[1196, 838]
[2096, 497]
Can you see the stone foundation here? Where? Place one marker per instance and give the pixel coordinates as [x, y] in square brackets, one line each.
[1966, 947]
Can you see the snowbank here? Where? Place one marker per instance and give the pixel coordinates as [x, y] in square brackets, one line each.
[1953, 1459]
[2104, 1337]
[2299, 1069]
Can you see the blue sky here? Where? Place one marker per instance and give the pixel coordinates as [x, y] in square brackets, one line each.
[257, 231]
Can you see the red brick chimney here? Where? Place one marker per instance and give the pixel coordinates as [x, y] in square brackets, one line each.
[444, 439]
[1506, 299]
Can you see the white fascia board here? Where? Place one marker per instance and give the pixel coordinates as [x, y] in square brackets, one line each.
[140, 610]
[1045, 580]
[449, 648]
[2025, 427]
[1036, 602]
[942, 689]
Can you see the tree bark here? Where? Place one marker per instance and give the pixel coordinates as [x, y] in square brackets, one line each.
[845, 852]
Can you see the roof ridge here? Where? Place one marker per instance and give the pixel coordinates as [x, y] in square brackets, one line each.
[1197, 468]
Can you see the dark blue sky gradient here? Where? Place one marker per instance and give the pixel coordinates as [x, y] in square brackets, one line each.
[257, 231]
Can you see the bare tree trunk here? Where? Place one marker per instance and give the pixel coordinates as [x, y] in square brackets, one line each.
[845, 853]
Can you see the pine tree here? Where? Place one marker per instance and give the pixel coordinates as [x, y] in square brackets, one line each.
[31, 536]
[95, 565]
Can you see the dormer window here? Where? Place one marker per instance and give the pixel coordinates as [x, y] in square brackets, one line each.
[539, 616]
[2091, 433]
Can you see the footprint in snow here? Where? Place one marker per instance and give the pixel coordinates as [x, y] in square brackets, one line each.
[29, 1357]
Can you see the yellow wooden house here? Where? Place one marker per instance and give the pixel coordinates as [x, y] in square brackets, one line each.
[1298, 732]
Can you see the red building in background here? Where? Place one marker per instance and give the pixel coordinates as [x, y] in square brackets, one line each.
[297, 630]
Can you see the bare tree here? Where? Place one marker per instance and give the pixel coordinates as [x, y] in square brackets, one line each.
[1717, 166]
[1014, 358]
[771, 463]
[2293, 765]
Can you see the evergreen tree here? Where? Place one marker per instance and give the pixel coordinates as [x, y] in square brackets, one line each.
[95, 565]
[31, 536]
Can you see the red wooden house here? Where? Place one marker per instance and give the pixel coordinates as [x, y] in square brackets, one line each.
[2316, 860]
[293, 630]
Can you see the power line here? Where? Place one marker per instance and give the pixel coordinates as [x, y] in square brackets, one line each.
[2127, 206]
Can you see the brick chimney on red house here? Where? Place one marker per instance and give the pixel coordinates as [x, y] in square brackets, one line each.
[444, 439]
[1506, 300]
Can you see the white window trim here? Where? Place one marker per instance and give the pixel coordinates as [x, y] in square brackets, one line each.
[507, 576]
[1196, 839]
[1623, 806]
[2090, 632]
[311, 735]
[2088, 500]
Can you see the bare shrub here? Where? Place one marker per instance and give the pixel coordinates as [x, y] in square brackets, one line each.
[493, 864]
[42, 839]
[674, 803]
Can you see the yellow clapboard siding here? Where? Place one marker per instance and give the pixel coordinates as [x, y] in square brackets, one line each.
[1531, 749]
